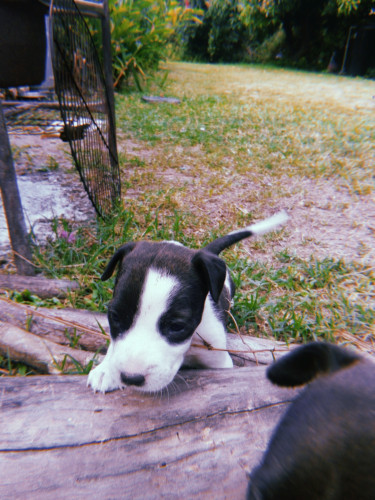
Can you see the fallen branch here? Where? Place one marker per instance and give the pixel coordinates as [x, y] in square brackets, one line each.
[62, 326]
[247, 350]
[42, 354]
[36, 285]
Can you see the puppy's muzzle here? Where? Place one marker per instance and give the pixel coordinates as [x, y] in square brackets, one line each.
[133, 379]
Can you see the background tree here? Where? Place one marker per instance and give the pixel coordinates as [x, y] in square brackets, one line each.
[313, 29]
[301, 33]
[221, 35]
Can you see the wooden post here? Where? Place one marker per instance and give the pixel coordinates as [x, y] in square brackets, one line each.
[12, 204]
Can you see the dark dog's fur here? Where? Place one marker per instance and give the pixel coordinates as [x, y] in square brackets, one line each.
[324, 446]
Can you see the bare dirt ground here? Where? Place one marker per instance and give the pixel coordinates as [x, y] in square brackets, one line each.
[48, 183]
[328, 222]
[324, 221]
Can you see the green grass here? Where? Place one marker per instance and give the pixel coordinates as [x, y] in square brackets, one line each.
[290, 299]
[305, 301]
[218, 160]
[289, 122]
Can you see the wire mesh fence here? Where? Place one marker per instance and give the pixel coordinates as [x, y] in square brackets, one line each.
[84, 104]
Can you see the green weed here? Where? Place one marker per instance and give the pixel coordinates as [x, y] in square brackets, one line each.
[11, 368]
[65, 366]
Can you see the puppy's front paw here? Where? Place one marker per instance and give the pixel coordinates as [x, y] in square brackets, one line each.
[103, 379]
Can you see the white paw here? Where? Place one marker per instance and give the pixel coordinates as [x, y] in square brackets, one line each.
[103, 379]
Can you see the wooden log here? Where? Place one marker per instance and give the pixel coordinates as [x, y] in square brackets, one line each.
[59, 325]
[247, 350]
[42, 354]
[37, 285]
[198, 439]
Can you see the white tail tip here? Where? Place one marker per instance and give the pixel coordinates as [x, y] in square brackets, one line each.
[269, 224]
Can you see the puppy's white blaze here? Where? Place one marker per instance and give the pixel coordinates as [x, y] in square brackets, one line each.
[267, 225]
[157, 291]
[143, 350]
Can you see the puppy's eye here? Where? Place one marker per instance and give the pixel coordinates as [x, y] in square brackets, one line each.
[177, 328]
[113, 316]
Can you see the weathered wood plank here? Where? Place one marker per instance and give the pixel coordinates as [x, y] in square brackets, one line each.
[198, 439]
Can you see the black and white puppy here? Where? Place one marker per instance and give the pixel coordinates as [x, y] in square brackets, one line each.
[324, 446]
[165, 296]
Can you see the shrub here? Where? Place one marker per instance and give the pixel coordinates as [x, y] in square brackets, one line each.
[140, 31]
[221, 34]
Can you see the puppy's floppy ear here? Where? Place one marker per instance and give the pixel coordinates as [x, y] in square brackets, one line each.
[212, 270]
[117, 257]
[306, 362]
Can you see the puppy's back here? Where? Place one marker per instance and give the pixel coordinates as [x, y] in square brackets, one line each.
[324, 447]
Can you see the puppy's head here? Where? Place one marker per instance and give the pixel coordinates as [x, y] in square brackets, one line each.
[157, 305]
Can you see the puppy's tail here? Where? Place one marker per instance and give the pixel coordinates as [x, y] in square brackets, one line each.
[262, 227]
[308, 361]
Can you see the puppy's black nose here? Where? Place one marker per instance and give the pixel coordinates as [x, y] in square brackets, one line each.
[135, 379]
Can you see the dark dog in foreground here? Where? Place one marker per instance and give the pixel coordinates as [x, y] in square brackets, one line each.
[166, 296]
[324, 446]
